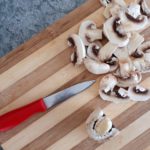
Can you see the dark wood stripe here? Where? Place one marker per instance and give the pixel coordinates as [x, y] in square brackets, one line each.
[68, 124]
[83, 76]
[139, 143]
[48, 34]
[34, 78]
[121, 122]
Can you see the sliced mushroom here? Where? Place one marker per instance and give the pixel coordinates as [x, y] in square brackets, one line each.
[80, 52]
[112, 62]
[110, 91]
[124, 69]
[96, 67]
[144, 49]
[132, 19]
[120, 2]
[135, 41]
[106, 51]
[93, 50]
[105, 2]
[145, 7]
[99, 126]
[139, 93]
[89, 32]
[106, 12]
[141, 66]
[133, 79]
[115, 33]
[111, 9]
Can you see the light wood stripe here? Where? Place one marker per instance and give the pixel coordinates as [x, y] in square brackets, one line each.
[25, 84]
[42, 55]
[50, 119]
[139, 143]
[148, 148]
[56, 133]
[121, 121]
[81, 133]
[48, 86]
[135, 129]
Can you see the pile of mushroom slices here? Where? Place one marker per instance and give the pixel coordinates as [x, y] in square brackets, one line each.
[125, 56]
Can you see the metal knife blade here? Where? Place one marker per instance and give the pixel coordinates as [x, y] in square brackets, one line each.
[66, 93]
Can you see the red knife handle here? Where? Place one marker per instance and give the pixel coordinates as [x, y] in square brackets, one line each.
[15, 117]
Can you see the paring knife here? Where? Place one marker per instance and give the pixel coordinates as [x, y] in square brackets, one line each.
[15, 117]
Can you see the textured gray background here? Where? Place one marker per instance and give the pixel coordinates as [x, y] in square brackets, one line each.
[21, 19]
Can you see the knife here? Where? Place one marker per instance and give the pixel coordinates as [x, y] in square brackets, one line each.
[15, 117]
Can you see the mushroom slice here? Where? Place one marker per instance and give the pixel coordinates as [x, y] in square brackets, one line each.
[89, 32]
[99, 126]
[93, 50]
[145, 7]
[106, 51]
[120, 2]
[75, 41]
[115, 33]
[106, 12]
[96, 67]
[139, 93]
[132, 19]
[133, 79]
[141, 66]
[109, 90]
[135, 41]
[125, 68]
[145, 50]
[105, 2]
[112, 62]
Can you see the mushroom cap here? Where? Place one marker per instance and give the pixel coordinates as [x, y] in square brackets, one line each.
[99, 126]
[145, 7]
[108, 82]
[113, 30]
[132, 19]
[139, 93]
[80, 52]
[96, 67]
[93, 50]
[89, 32]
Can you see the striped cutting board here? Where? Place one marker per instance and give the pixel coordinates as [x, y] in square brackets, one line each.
[42, 66]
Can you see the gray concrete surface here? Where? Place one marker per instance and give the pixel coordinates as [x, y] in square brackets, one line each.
[21, 19]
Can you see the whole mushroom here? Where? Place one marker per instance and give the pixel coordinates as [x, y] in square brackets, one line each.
[99, 126]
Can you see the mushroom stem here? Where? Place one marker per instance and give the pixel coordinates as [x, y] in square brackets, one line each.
[94, 35]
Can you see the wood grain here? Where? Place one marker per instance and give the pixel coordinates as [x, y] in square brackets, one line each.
[42, 66]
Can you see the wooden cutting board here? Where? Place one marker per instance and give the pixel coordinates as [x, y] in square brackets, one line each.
[42, 66]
